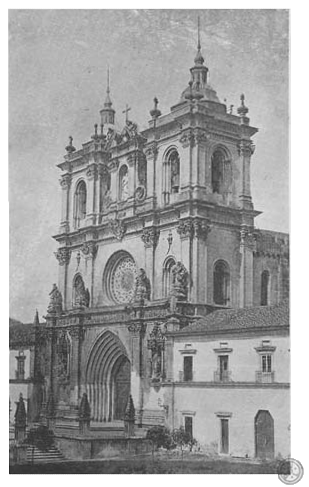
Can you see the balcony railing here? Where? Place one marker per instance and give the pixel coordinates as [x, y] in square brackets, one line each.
[265, 377]
[222, 376]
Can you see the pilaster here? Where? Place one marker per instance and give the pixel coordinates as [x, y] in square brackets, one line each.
[137, 333]
[92, 176]
[65, 183]
[247, 247]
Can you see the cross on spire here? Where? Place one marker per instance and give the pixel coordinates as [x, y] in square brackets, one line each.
[198, 34]
[126, 111]
[107, 91]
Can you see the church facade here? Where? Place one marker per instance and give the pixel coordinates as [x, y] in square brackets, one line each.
[156, 240]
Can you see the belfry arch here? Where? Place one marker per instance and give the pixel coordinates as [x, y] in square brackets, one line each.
[108, 374]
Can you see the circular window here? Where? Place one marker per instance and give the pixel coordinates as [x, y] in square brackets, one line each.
[121, 278]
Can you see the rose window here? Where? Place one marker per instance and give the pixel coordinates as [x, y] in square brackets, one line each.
[123, 280]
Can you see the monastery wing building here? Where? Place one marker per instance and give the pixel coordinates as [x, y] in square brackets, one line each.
[167, 292]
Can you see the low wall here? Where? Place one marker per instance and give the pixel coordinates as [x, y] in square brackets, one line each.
[81, 448]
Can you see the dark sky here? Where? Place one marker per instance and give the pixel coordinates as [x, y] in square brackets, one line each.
[58, 63]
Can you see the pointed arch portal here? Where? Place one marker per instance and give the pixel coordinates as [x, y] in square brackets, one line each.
[108, 378]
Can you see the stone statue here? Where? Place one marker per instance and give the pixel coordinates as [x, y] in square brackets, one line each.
[180, 281]
[142, 291]
[156, 345]
[55, 303]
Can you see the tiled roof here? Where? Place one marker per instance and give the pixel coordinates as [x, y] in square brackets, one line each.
[21, 335]
[242, 319]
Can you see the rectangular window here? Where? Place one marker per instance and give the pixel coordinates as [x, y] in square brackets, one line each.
[187, 369]
[224, 435]
[266, 363]
[223, 366]
[189, 425]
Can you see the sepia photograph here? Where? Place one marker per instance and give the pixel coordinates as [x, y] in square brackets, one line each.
[149, 242]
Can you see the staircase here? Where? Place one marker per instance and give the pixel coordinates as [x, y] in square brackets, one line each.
[38, 456]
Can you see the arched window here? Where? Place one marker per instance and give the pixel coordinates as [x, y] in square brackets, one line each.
[167, 276]
[171, 175]
[80, 203]
[218, 160]
[221, 283]
[81, 295]
[264, 288]
[123, 183]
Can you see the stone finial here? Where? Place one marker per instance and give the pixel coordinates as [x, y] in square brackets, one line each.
[84, 408]
[70, 148]
[242, 110]
[129, 414]
[20, 414]
[155, 112]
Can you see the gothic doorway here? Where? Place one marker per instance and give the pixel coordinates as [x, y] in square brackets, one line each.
[108, 377]
[121, 377]
[264, 435]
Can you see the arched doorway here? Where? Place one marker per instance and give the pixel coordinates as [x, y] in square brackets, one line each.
[108, 376]
[264, 435]
[121, 387]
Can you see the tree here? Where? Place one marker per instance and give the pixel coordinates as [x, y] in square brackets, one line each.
[159, 437]
[181, 438]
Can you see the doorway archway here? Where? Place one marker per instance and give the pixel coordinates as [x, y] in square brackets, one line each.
[264, 434]
[108, 378]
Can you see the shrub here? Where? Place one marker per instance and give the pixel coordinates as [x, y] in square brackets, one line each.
[41, 437]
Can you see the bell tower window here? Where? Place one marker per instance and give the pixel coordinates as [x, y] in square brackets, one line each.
[221, 283]
[217, 171]
[171, 175]
[80, 203]
[167, 276]
[265, 288]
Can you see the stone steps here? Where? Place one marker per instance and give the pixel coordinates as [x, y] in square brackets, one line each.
[38, 456]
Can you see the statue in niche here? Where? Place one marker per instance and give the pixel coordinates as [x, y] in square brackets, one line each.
[156, 345]
[124, 183]
[55, 303]
[142, 291]
[175, 166]
[180, 281]
[82, 295]
[105, 194]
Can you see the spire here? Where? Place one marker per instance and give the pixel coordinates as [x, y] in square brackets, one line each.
[198, 60]
[36, 320]
[155, 112]
[107, 113]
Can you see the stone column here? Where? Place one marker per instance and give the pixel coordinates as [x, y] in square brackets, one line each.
[63, 255]
[20, 420]
[185, 230]
[150, 237]
[92, 176]
[151, 153]
[137, 333]
[246, 149]
[77, 335]
[65, 183]
[201, 230]
[89, 250]
[187, 143]
[247, 246]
